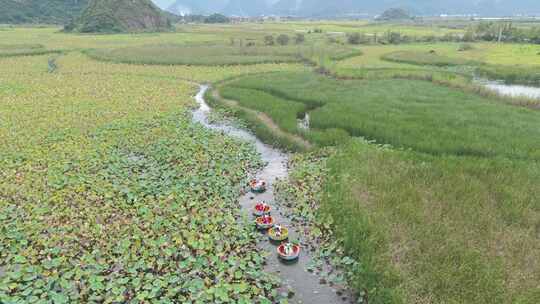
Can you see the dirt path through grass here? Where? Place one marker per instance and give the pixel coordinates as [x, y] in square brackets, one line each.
[265, 119]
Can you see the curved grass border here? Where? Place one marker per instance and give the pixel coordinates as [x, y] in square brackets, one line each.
[261, 129]
[295, 58]
[306, 139]
[445, 61]
[26, 54]
[90, 53]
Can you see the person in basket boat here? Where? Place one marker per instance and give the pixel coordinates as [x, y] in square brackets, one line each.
[257, 185]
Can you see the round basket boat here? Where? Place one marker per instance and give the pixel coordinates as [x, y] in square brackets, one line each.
[257, 186]
[264, 222]
[278, 233]
[288, 251]
[261, 209]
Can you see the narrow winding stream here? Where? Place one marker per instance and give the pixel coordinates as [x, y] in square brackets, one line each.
[305, 285]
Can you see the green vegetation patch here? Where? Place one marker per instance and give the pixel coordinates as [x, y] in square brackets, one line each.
[284, 112]
[10, 50]
[517, 74]
[214, 54]
[10, 89]
[435, 229]
[425, 58]
[404, 113]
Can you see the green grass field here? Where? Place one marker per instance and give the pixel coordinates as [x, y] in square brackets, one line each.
[436, 229]
[404, 113]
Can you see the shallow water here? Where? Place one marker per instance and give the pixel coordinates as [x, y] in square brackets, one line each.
[511, 90]
[305, 284]
[304, 123]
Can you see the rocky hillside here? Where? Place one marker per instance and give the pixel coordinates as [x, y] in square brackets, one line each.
[106, 16]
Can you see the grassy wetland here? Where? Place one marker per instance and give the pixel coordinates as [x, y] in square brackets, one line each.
[422, 185]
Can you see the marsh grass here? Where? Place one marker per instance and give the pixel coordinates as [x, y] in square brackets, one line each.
[517, 74]
[258, 127]
[460, 79]
[284, 112]
[425, 58]
[450, 218]
[511, 74]
[436, 229]
[413, 114]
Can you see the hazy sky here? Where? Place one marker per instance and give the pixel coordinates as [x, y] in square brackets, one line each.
[163, 3]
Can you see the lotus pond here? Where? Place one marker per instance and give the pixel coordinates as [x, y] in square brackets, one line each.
[109, 193]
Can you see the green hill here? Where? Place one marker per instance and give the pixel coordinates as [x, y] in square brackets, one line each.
[40, 11]
[394, 14]
[114, 16]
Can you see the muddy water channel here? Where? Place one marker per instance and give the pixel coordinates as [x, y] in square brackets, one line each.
[305, 285]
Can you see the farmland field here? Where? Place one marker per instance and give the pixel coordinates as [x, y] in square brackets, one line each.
[420, 184]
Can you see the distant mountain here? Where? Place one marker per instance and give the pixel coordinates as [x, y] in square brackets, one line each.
[330, 8]
[394, 14]
[40, 11]
[121, 16]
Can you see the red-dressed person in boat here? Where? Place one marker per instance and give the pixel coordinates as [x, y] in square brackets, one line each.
[261, 209]
[288, 251]
[265, 222]
[257, 185]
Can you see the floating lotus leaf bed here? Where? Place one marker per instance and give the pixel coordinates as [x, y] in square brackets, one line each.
[288, 251]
